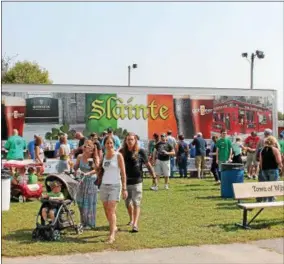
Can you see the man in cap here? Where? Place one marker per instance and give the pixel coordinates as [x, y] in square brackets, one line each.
[251, 143]
[161, 160]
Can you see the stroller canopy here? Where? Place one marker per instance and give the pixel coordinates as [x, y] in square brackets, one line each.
[69, 185]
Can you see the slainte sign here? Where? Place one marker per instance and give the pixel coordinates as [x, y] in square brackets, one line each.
[122, 110]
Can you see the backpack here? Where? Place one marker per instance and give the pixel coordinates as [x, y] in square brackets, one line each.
[182, 148]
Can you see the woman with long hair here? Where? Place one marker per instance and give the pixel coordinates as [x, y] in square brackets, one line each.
[134, 158]
[113, 180]
[270, 162]
[64, 154]
[87, 192]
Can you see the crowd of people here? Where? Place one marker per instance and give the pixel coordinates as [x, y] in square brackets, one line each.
[109, 168]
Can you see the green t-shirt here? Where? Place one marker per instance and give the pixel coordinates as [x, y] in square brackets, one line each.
[33, 179]
[224, 145]
[15, 146]
[58, 195]
[281, 143]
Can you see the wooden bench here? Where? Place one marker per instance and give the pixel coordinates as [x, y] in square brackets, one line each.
[257, 190]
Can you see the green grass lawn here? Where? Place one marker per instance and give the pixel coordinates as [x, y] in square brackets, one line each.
[191, 212]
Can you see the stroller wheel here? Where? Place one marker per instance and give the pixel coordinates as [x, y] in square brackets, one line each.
[55, 235]
[79, 229]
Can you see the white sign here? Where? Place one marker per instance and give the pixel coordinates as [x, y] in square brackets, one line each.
[51, 166]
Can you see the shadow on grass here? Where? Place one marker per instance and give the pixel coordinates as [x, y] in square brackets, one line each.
[256, 225]
[233, 203]
[24, 236]
[218, 197]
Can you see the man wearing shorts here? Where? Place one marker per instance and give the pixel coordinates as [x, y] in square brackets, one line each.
[200, 151]
[252, 164]
[162, 153]
[134, 158]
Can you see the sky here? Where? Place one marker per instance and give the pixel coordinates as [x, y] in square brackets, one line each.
[174, 44]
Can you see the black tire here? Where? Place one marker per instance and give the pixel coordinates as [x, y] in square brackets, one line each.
[79, 229]
[55, 235]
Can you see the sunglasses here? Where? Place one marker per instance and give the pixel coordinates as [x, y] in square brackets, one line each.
[87, 146]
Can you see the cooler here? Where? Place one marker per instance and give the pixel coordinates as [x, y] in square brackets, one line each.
[6, 189]
[230, 173]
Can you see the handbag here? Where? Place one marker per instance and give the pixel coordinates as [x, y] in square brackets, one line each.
[100, 174]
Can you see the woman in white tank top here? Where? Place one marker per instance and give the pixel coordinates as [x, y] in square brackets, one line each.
[114, 178]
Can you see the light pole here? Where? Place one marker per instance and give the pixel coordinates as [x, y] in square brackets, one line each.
[134, 66]
[260, 55]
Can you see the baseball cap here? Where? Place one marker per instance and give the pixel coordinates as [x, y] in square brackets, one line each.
[163, 135]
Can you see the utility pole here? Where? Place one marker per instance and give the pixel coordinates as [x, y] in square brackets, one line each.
[260, 55]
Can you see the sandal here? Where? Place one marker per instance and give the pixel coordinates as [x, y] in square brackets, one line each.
[110, 240]
[135, 229]
[130, 224]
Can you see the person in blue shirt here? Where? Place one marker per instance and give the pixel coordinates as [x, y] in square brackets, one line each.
[117, 143]
[31, 148]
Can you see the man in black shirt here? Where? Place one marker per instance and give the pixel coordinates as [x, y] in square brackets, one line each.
[162, 153]
[134, 158]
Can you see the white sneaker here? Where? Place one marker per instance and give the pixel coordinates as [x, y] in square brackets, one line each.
[166, 186]
[154, 188]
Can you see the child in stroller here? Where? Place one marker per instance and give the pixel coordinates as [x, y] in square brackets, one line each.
[56, 205]
[55, 195]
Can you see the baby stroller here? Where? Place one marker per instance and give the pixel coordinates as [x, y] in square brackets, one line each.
[23, 191]
[64, 216]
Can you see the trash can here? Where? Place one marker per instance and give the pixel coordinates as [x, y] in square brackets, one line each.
[230, 173]
[6, 189]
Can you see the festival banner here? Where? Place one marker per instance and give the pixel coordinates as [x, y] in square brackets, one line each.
[144, 114]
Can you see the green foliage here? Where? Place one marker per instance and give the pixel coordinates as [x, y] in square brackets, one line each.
[64, 129]
[26, 73]
[280, 116]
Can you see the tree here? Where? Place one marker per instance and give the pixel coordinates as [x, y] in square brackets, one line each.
[280, 116]
[5, 65]
[25, 72]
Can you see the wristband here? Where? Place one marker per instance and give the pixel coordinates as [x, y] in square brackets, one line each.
[124, 189]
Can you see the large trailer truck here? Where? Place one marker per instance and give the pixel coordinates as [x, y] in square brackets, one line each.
[50, 109]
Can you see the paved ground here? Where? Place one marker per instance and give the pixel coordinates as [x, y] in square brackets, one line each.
[263, 251]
